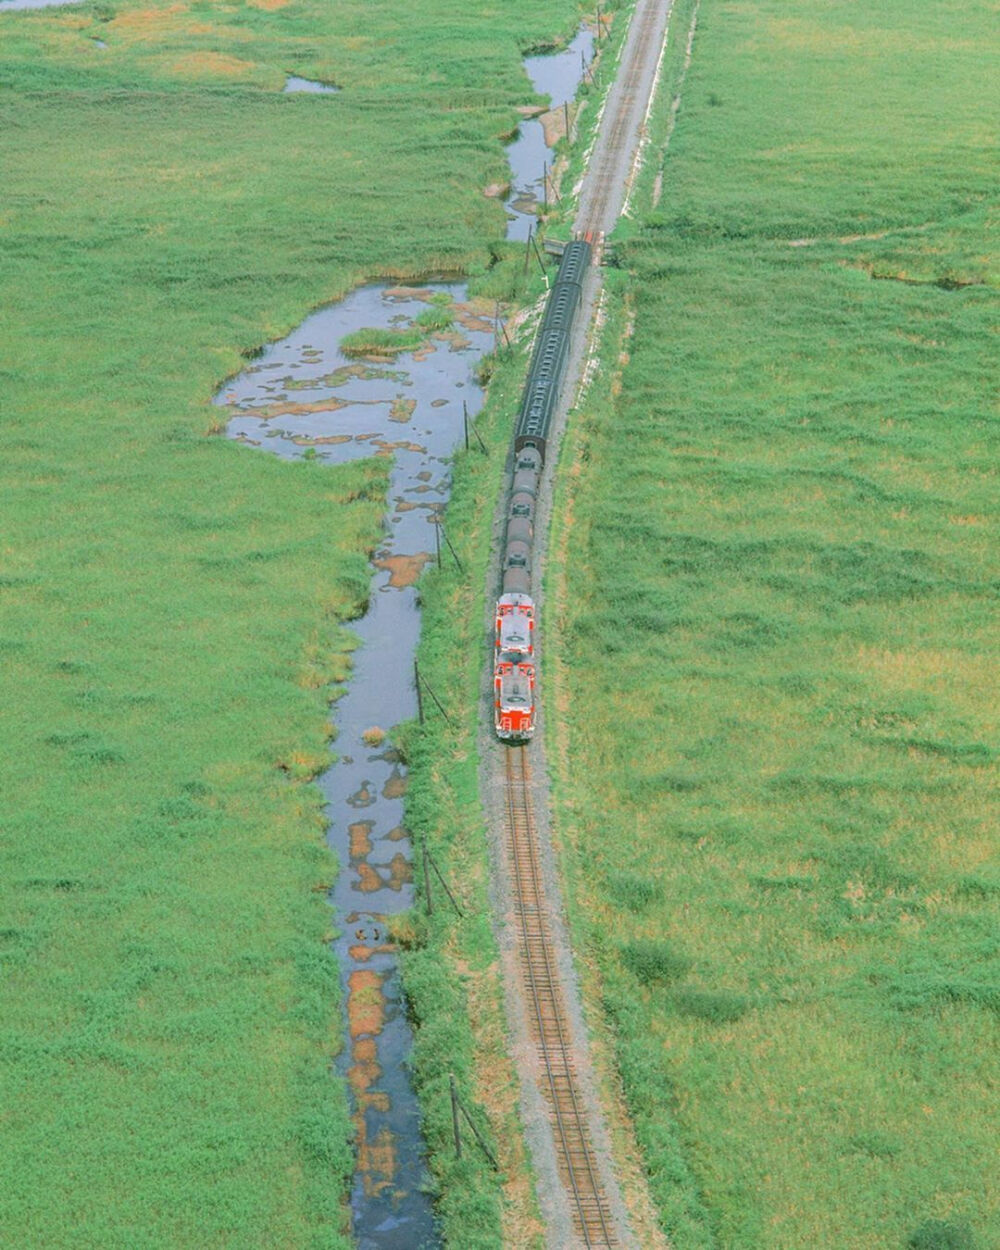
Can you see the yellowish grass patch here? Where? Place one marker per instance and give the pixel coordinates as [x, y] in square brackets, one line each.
[198, 64]
[149, 20]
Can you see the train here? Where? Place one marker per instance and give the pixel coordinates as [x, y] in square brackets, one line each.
[514, 650]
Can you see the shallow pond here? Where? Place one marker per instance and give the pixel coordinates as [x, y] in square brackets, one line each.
[292, 83]
[303, 396]
[557, 75]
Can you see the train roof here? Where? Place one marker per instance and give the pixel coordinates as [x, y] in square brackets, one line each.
[515, 633]
[515, 686]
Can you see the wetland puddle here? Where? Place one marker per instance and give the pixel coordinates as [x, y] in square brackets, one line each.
[304, 396]
[557, 75]
[293, 83]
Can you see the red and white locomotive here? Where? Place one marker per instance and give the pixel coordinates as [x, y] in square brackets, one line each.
[515, 626]
[514, 667]
[514, 699]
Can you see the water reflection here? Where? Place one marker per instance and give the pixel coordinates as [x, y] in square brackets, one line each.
[292, 83]
[557, 75]
[304, 396]
[33, 4]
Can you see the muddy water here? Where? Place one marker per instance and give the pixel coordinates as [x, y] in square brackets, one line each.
[557, 75]
[305, 397]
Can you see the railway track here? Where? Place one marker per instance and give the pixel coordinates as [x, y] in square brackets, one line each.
[548, 1022]
[613, 158]
[561, 1069]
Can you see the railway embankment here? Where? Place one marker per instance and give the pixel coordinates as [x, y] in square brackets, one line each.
[560, 1226]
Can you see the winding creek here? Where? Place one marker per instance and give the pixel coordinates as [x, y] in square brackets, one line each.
[304, 396]
[557, 75]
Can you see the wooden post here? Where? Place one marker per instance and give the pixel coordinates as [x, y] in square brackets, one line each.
[437, 539]
[479, 1138]
[437, 702]
[454, 1117]
[447, 890]
[465, 423]
[427, 885]
[541, 263]
[420, 697]
[479, 438]
[453, 551]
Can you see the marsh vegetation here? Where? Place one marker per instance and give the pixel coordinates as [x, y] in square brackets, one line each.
[173, 605]
[783, 525]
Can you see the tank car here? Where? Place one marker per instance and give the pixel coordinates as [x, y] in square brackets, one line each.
[516, 581]
[528, 458]
[517, 555]
[522, 505]
[525, 482]
[520, 529]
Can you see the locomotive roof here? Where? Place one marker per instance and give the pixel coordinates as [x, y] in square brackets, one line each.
[514, 633]
[515, 688]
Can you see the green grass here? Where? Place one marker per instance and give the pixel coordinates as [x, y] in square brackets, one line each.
[372, 341]
[172, 604]
[783, 536]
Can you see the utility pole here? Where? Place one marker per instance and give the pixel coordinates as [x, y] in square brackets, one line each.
[454, 1118]
[420, 697]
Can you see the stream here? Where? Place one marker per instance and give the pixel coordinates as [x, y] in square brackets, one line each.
[304, 396]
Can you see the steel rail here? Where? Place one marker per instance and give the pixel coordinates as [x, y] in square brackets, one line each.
[547, 1008]
[595, 212]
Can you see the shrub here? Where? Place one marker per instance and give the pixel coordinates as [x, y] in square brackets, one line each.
[654, 962]
[434, 319]
[632, 891]
[372, 341]
[941, 1235]
[715, 1006]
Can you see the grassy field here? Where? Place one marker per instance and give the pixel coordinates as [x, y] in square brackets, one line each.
[779, 786]
[172, 604]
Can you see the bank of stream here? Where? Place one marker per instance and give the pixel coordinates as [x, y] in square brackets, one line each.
[406, 397]
[306, 397]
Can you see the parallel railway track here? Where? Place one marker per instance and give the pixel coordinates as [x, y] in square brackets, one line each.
[548, 1022]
